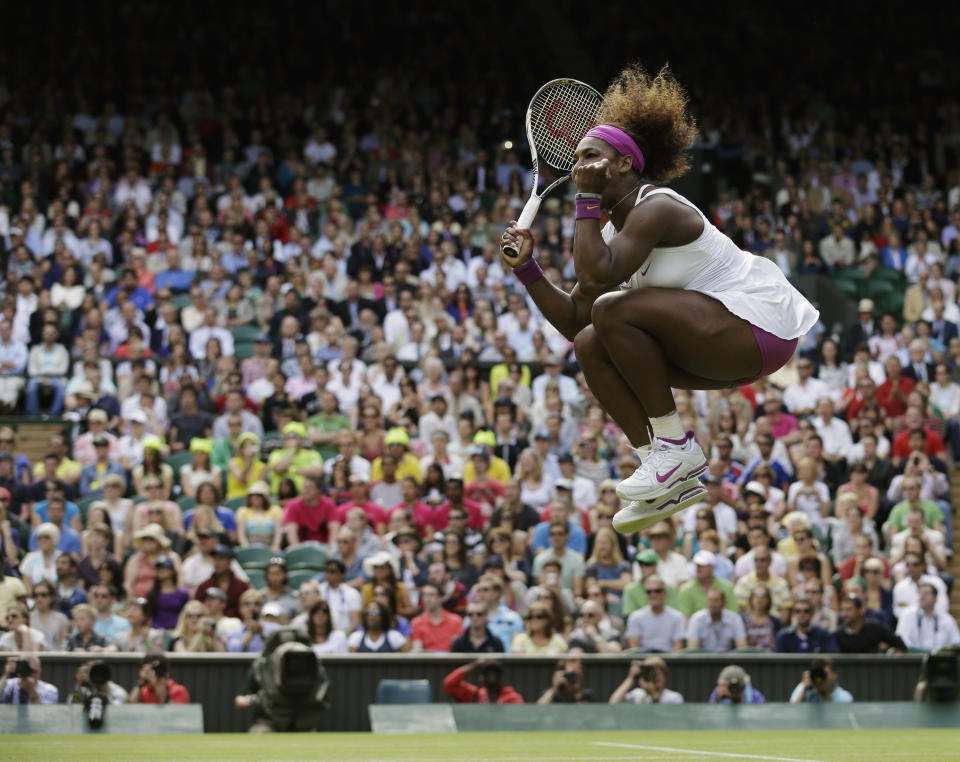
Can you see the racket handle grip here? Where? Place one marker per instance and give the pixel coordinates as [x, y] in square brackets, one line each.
[527, 216]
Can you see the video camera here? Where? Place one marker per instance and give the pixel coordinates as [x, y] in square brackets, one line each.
[292, 682]
[94, 694]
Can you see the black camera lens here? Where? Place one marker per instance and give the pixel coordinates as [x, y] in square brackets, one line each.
[99, 674]
[23, 668]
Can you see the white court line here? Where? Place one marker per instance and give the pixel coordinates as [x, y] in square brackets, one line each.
[672, 750]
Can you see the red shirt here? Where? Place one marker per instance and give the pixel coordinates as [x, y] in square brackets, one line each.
[899, 447]
[311, 520]
[584, 518]
[426, 515]
[845, 570]
[436, 637]
[176, 693]
[417, 509]
[375, 514]
[474, 515]
[484, 493]
[891, 404]
[466, 693]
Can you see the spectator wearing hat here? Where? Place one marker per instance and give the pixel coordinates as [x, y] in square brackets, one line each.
[436, 628]
[635, 594]
[150, 543]
[408, 544]
[260, 521]
[84, 447]
[865, 327]
[244, 468]
[499, 468]
[130, 445]
[224, 579]
[397, 443]
[483, 490]
[93, 475]
[42, 564]
[694, 594]
[292, 461]
[382, 569]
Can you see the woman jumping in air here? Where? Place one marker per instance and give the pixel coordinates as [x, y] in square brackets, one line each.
[663, 298]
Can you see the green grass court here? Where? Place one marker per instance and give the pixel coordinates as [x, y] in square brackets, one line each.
[776, 746]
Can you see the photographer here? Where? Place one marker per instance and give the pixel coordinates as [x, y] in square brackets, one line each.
[492, 688]
[819, 685]
[646, 683]
[155, 686]
[733, 687]
[21, 683]
[566, 687]
[93, 677]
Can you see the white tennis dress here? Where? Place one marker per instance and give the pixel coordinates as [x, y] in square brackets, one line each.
[750, 286]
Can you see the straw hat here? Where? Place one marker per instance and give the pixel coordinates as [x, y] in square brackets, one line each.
[153, 532]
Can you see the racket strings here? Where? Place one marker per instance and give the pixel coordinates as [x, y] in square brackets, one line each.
[560, 116]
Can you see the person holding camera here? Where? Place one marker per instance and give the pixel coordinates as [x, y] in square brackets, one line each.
[492, 689]
[734, 687]
[21, 683]
[155, 686]
[93, 677]
[566, 687]
[819, 685]
[646, 683]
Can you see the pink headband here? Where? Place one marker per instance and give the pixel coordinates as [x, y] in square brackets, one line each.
[621, 141]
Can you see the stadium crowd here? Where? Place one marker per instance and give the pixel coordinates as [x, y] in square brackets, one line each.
[299, 387]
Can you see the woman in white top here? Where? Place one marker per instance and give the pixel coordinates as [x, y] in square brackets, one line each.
[323, 636]
[536, 487]
[664, 299]
[20, 636]
[41, 564]
[46, 618]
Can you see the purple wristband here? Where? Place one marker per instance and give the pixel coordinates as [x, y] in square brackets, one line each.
[588, 208]
[528, 272]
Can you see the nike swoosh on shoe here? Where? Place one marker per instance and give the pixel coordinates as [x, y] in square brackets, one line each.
[669, 473]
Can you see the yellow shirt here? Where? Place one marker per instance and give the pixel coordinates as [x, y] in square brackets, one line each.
[68, 470]
[302, 459]
[408, 466]
[501, 371]
[237, 488]
[498, 470]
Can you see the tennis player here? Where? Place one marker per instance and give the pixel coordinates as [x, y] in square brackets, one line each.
[663, 298]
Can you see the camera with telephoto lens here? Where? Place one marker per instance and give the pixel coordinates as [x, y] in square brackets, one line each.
[648, 672]
[23, 669]
[735, 687]
[95, 694]
[818, 674]
[159, 668]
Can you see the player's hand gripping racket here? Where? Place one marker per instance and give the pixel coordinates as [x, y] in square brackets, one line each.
[557, 118]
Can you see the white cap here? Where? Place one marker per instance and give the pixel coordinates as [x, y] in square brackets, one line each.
[272, 609]
[137, 416]
[704, 558]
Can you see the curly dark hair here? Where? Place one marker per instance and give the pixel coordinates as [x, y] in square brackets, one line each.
[653, 111]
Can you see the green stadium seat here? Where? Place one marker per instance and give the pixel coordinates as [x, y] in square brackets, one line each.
[878, 289]
[186, 503]
[235, 503]
[305, 557]
[885, 273]
[254, 556]
[258, 580]
[403, 692]
[83, 503]
[245, 333]
[178, 460]
[298, 576]
[849, 273]
[137, 499]
[243, 349]
[849, 287]
[615, 609]
[181, 300]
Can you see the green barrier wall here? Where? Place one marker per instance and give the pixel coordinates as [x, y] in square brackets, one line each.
[127, 719]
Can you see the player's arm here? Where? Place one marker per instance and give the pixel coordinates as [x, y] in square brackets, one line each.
[601, 267]
[568, 313]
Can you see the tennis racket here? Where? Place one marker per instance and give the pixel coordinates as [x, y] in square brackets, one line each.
[558, 116]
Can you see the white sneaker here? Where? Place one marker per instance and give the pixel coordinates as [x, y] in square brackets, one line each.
[640, 514]
[672, 463]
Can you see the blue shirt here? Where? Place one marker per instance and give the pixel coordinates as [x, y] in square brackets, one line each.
[175, 280]
[111, 627]
[818, 641]
[15, 352]
[577, 541]
[41, 510]
[225, 515]
[69, 541]
[235, 639]
[838, 695]
[140, 297]
[503, 625]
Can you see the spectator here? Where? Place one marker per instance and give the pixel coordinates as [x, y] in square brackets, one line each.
[734, 687]
[761, 627]
[477, 637]
[27, 689]
[325, 638]
[566, 686]
[83, 637]
[819, 685]
[69, 592]
[108, 624]
[47, 366]
[344, 601]
[501, 620]
[256, 629]
[716, 628]
[646, 683]
[20, 636]
[594, 632]
[45, 617]
[276, 589]
[922, 627]
[224, 578]
[571, 562]
[39, 565]
[155, 686]
[694, 593]
[672, 566]
[777, 587]
[491, 691]
[655, 627]
[906, 592]
[857, 635]
[141, 637]
[375, 634]
[292, 461]
[436, 628]
[803, 636]
[540, 636]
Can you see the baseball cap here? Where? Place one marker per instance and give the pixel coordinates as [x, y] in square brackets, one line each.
[164, 562]
[137, 416]
[216, 592]
[494, 562]
[397, 435]
[648, 558]
[755, 487]
[565, 457]
[101, 440]
[566, 484]
[222, 550]
[359, 478]
[704, 558]
[272, 609]
[865, 305]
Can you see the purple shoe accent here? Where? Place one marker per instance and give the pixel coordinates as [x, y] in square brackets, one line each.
[685, 495]
[697, 471]
[667, 475]
[685, 439]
